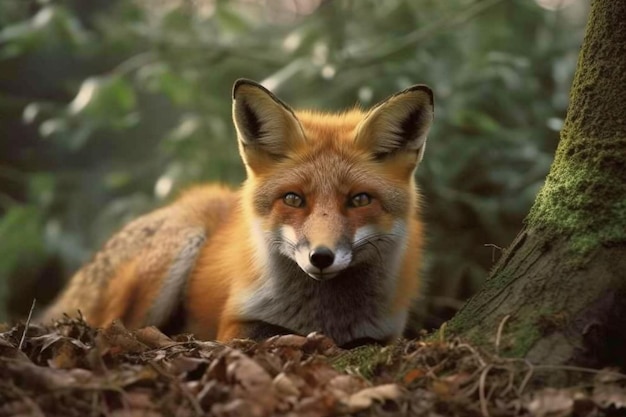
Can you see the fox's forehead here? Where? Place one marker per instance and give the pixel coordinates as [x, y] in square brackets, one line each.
[329, 170]
[330, 127]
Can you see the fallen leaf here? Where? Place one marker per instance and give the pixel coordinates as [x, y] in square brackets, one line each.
[609, 395]
[284, 385]
[116, 339]
[8, 351]
[366, 397]
[412, 375]
[551, 402]
[152, 337]
[319, 343]
[346, 384]
[66, 355]
[288, 340]
[40, 376]
[185, 364]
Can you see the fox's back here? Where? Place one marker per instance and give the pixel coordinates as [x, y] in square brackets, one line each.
[147, 252]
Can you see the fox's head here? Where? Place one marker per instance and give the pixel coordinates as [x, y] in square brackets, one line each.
[331, 191]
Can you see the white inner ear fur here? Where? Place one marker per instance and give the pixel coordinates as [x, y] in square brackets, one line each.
[278, 127]
[383, 129]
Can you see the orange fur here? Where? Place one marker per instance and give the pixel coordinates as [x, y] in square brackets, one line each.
[225, 255]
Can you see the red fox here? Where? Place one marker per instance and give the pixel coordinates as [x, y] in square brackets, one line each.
[323, 235]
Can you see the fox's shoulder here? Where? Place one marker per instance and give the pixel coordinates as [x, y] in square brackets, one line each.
[159, 247]
[198, 210]
[206, 205]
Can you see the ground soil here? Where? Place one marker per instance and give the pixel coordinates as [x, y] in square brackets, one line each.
[74, 370]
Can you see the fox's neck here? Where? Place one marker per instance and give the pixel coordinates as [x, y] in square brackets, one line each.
[353, 305]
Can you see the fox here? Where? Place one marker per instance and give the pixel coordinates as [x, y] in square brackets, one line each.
[324, 235]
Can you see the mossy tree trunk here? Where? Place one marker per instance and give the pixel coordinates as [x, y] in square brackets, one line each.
[559, 291]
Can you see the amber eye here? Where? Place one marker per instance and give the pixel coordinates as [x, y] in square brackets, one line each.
[360, 200]
[293, 200]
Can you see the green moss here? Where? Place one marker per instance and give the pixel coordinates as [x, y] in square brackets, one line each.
[584, 197]
[521, 336]
[363, 360]
[582, 201]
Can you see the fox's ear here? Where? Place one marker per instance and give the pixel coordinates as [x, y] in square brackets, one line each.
[266, 127]
[399, 124]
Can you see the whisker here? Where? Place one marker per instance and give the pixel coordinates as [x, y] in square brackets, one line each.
[380, 255]
[381, 237]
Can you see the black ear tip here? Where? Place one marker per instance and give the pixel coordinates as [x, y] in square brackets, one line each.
[424, 88]
[244, 81]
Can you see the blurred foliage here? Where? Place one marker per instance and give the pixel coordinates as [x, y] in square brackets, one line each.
[107, 107]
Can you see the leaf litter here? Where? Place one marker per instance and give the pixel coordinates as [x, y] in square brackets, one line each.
[71, 369]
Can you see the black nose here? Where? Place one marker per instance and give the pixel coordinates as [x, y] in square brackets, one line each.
[321, 257]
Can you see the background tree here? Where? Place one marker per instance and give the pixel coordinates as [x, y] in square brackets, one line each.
[109, 107]
[561, 285]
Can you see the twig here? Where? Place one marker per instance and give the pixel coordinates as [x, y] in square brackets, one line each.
[481, 391]
[474, 352]
[493, 250]
[499, 333]
[30, 315]
[511, 383]
[526, 379]
[580, 369]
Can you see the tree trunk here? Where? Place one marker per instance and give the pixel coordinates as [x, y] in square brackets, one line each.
[559, 291]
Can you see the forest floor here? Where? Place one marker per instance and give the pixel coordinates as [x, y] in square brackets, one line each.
[74, 370]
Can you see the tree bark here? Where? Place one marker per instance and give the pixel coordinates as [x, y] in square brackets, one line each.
[559, 291]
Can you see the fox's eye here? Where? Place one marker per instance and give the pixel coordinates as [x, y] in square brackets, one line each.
[293, 200]
[360, 200]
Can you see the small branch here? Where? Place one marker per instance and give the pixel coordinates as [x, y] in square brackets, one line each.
[493, 250]
[499, 333]
[30, 315]
[481, 392]
[527, 377]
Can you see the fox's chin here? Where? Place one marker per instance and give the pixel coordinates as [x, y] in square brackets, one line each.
[322, 276]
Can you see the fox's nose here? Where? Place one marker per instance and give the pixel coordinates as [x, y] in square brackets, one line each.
[321, 257]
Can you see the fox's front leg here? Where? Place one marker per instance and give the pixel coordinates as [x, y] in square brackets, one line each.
[256, 330]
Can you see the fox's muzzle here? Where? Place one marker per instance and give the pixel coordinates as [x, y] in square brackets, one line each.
[321, 257]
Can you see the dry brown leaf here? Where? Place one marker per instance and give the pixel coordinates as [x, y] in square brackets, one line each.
[441, 387]
[66, 355]
[319, 405]
[250, 380]
[285, 385]
[346, 384]
[139, 399]
[317, 342]
[245, 372]
[129, 375]
[42, 377]
[288, 340]
[184, 364]
[152, 337]
[413, 374]
[318, 372]
[366, 397]
[116, 339]
[609, 395]
[551, 402]
[8, 351]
